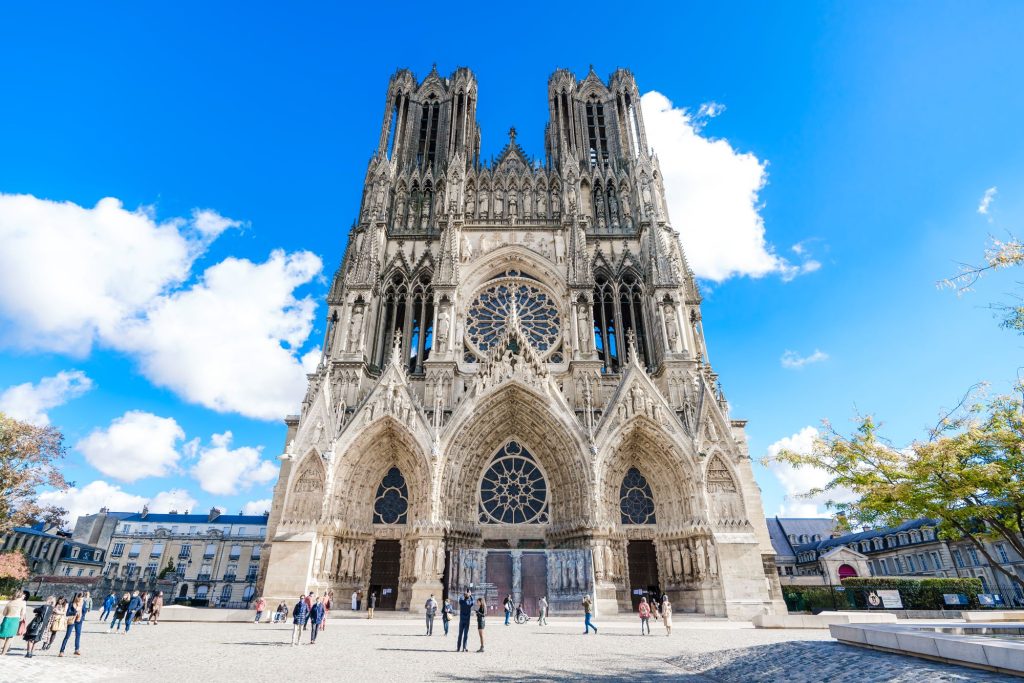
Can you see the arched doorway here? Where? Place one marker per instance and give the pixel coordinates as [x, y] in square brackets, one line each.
[846, 572]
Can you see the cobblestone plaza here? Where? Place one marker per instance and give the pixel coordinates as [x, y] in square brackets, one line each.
[395, 649]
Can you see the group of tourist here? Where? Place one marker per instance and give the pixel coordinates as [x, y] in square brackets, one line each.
[649, 609]
[310, 611]
[55, 616]
[357, 603]
[132, 608]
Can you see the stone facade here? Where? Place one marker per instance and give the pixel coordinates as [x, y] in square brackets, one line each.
[514, 359]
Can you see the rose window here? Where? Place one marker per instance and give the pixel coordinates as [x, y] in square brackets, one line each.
[535, 306]
[391, 506]
[635, 500]
[513, 489]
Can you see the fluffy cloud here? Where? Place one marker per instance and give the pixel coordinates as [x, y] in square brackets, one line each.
[29, 402]
[986, 200]
[123, 281]
[796, 482]
[88, 500]
[222, 470]
[712, 192]
[175, 499]
[206, 342]
[102, 264]
[257, 507]
[135, 445]
[791, 360]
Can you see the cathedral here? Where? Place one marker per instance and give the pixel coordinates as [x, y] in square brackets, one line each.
[515, 393]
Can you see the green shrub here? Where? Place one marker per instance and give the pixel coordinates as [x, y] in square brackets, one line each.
[916, 593]
[815, 598]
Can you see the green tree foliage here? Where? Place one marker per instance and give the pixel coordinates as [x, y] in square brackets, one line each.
[969, 474]
[1001, 254]
[29, 458]
[169, 569]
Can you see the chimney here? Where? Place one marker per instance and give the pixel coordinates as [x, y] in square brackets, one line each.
[145, 511]
[214, 514]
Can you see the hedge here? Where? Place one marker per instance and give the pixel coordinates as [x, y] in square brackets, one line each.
[815, 599]
[924, 593]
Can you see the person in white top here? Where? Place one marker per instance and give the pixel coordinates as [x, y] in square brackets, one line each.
[355, 599]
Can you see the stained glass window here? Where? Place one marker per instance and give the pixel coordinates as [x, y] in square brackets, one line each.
[535, 307]
[392, 503]
[513, 489]
[635, 499]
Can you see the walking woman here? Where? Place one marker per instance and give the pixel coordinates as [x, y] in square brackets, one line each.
[14, 614]
[155, 606]
[120, 612]
[39, 627]
[481, 613]
[588, 608]
[446, 614]
[58, 622]
[645, 616]
[74, 624]
[666, 614]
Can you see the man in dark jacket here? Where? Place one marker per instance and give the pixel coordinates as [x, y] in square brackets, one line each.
[465, 616]
[300, 614]
[316, 619]
[134, 605]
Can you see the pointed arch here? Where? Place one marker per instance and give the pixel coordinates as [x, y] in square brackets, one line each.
[306, 493]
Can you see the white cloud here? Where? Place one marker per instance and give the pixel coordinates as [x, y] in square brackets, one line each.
[122, 280]
[88, 499]
[712, 193]
[791, 360]
[986, 200]
[29, 402]
[230, 342]
[89, 269]
[135, 445]
[257, 507]
[175, 499]
[222, 470]
[796, 482]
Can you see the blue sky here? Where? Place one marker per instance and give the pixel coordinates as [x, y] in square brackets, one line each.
[879, 128]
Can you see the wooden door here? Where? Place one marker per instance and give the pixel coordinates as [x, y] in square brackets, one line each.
[643, 571]
[499, 580]
[384, 572]
[534, 580]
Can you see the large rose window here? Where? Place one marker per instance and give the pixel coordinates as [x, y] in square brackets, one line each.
[535, 307]
[513, 489]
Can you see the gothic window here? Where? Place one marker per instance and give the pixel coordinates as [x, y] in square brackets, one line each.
[422, 330]
[513, 489]
[636, 503]
[392, 319]
[391, 506]
[535, 307]
[412, 314]
[605, 327]
[619, 308]
[596, 133]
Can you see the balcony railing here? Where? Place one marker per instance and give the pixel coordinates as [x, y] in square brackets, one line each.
[251, 578]
[234, 556]
[184, 556]
[133, 554]
[203, 577]
[209, 556]
[229, 578]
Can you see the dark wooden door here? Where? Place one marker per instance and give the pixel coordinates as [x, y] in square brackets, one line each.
[534, 579]
[643, 571]
[384, 571]
[499, 578]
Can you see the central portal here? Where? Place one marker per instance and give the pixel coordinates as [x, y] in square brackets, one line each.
[384, 572]
[562, 576]
[643, 572]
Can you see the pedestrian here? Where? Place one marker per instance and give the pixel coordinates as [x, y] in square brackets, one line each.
[309, 605]
[359, 601]
[58, 621]
[430, 608]
[108, 606]
[316, 618]
[481, 613]
[261, 604]
[508, 607]
[14, 615]
[86, 605]
[281, 615]
[446, 614]
[542, 609]
[134, 609]
[328, 604]
[371, 604]
[120, 612]
[666, 614]
[588, 607]
[155, 606]
[465, 614]
[645, 616]
[300, 614]
[38, 628]
[74, 625]
[355, 601]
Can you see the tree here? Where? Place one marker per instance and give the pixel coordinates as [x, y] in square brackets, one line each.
[169, 569]
[13, 571]
[999, 255]
[28, 460]
[968, 473]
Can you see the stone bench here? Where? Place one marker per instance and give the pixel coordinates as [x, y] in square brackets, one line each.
[985, 617]
[823, 620]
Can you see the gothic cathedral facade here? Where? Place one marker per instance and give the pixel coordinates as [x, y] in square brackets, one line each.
[514, 381]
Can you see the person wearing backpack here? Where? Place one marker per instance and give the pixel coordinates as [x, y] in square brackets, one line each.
[431, 609]
[645, 616]
[38, 628]
[446, 614]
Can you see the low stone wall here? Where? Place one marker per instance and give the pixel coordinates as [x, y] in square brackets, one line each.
[823, 620]
[976, 617]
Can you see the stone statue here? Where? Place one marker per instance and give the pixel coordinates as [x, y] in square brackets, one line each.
[355, 329]
[467, 249]
[483, 203]
[470, 203]
[672, 328]
[513, 206]
[443, 325]
[499, 203]
[399, 207]
[542, 203]
[585, 325]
